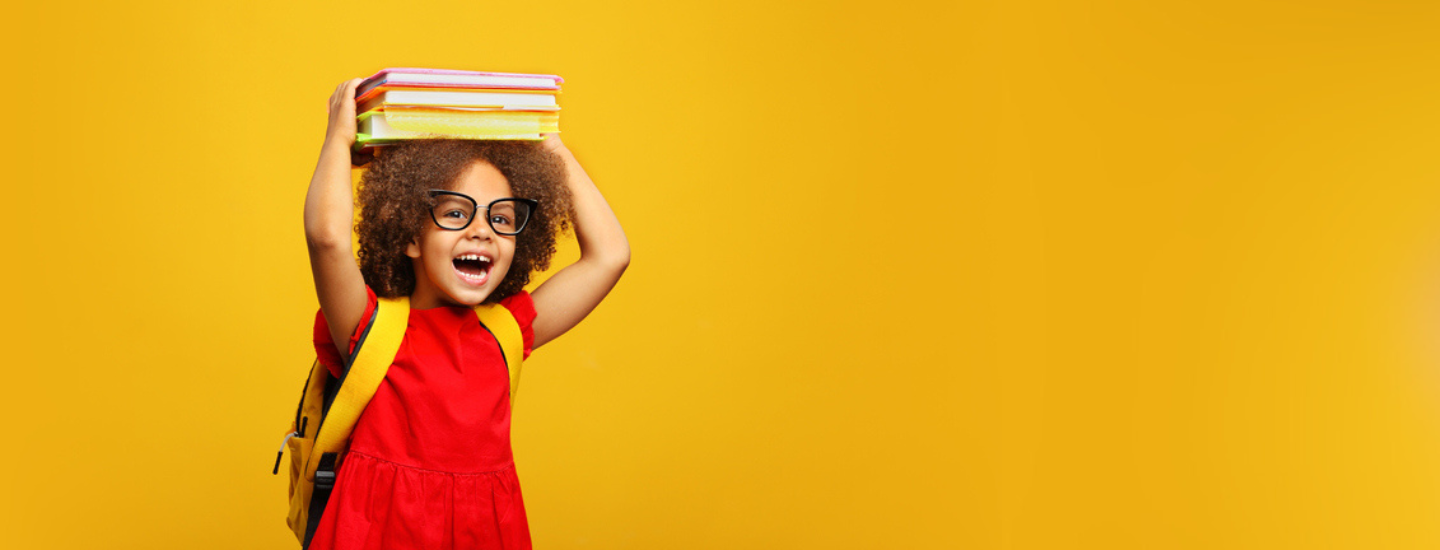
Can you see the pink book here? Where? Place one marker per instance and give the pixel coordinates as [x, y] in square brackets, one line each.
[446, 78]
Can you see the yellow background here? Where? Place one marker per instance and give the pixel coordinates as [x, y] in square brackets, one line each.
[905, 275]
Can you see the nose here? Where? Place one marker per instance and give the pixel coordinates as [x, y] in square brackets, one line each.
[479, 229]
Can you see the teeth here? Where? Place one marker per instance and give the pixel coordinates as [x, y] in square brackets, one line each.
[476, 279]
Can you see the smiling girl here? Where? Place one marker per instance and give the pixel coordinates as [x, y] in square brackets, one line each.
[451, 224]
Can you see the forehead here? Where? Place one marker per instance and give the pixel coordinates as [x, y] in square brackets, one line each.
[483, 182]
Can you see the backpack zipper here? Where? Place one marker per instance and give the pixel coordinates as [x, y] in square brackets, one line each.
[281, 452]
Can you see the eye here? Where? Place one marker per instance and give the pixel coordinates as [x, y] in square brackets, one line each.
[500, 219]
[456, 214]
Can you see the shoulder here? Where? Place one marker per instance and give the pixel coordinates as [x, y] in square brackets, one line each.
[522, 307]
[325, 348]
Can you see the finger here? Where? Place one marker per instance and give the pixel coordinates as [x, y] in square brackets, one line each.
[349, 98]
[351, 86]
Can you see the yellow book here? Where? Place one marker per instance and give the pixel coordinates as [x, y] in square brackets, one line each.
[397, 123]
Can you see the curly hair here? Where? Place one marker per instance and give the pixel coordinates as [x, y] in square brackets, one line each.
[395, 206]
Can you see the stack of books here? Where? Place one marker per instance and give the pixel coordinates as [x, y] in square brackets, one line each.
[402, 103]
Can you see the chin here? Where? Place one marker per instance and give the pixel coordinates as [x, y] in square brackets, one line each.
[469, 298]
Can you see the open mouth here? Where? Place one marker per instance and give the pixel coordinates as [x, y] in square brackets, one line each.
[472, 268]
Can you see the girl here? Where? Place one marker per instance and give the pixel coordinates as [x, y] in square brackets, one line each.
[451, 224]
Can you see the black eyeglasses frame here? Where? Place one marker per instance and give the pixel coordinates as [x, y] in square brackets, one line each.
[532, 203]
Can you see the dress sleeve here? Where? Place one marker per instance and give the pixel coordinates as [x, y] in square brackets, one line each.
[523, 308]
[325, 344]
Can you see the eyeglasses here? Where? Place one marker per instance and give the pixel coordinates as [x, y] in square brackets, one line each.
[507, 216]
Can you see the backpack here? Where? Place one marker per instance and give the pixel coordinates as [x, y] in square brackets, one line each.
[320, 434]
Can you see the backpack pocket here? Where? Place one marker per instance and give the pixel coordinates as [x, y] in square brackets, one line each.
[299, 449]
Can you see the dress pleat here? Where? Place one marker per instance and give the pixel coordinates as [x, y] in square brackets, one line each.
[392, 506]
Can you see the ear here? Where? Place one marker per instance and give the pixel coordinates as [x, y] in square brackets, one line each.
[413, 249]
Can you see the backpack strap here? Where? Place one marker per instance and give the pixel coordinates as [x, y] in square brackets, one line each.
[506, 330]
[373, 356]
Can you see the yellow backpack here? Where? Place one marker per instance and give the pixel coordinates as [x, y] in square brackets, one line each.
[329, 407]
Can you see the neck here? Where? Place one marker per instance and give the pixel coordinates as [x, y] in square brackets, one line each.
[428, 297]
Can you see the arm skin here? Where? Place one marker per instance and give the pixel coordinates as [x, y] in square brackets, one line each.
[329, 213]
[573, 292]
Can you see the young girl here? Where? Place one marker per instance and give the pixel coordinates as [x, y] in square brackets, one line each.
[451, 224]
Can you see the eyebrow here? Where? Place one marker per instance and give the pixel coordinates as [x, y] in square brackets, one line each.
[478, 202]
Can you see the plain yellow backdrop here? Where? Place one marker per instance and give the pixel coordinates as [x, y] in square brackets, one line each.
[905, 274]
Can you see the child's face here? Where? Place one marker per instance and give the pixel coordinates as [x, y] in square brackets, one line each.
[442, 276]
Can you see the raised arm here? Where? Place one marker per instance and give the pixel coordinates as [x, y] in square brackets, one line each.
[573, 292]
[329, 213]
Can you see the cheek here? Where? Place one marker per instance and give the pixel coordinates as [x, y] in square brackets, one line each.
[507, 259]
[509, 251]
[438, 251]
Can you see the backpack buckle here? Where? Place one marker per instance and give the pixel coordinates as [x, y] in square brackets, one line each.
[325, 474]
[324, 480]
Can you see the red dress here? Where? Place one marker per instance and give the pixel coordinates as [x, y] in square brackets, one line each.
[429, 465]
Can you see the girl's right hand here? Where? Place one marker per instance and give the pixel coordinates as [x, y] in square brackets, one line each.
[341, 130]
